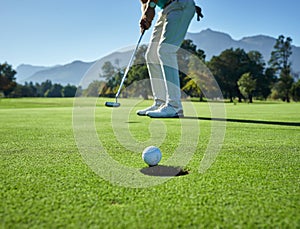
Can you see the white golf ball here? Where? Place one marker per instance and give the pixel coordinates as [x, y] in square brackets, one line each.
[151, 155]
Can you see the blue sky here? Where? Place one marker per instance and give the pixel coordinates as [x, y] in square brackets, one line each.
[50, 32]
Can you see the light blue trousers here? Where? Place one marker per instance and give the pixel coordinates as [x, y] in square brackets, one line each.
[168, 34]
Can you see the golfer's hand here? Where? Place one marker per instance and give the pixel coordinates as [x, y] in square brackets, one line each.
[144, 25]
[147, 18]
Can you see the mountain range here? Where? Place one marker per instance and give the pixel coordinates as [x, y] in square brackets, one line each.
[212, 42]
[70, 73]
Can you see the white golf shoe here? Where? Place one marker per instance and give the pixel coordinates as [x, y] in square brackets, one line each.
[154, 107]
[166, 111]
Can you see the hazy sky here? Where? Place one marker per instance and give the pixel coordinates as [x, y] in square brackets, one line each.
[50, 32]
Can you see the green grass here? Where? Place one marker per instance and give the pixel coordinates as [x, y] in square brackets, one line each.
[45, 182]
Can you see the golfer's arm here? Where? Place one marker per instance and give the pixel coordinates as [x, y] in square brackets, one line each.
[144, 5]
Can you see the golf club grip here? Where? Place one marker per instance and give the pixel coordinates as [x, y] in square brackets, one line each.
[129, 64]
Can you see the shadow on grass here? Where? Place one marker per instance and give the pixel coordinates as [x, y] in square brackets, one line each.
[246, 121]
[164, 171]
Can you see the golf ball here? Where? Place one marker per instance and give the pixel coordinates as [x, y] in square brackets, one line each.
[151, 155]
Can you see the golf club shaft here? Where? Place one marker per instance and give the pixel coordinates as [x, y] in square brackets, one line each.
[129, 65]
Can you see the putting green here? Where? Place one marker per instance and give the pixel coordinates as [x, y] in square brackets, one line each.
[45, 181]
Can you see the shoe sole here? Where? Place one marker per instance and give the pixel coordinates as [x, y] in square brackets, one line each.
[175, 116]
[141, 114]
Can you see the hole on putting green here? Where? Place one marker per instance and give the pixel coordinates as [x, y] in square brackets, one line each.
[164, 171]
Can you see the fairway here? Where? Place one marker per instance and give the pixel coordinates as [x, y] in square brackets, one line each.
[46, 183]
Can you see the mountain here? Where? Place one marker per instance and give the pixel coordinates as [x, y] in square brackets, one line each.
[212, 42]
[63, 74]
[25, 70]
[71, 73]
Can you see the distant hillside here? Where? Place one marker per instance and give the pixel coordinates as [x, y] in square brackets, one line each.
[64, 74]
[212, 42]
[26, 70]
[71, 73]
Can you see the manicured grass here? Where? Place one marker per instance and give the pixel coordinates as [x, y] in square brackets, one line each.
[45, 182]
[35, 103]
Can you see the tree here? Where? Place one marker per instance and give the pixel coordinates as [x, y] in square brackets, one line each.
[285, 84]
[27, 90]
[108, 70]
[280, 55]
[32, 90]
[191, 88]
[296, 91]
[139, 86]
[139, 70]
[265, 78]
[187, 49]
[247, 85]
[54, 91]
[111, 86]
[199, 76]
[94, 89]
[137, 76]
[43, 88]
[113, 77]
[69, 91]
[7, 79]
[265, 84]
[19, 91]
[279, 61]
[227, 69]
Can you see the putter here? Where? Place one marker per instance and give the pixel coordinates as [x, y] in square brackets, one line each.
[116, 104]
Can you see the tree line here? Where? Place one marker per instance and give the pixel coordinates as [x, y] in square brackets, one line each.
[10, 88]
[241, 75]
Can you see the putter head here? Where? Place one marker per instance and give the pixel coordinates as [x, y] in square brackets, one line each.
[112, 104]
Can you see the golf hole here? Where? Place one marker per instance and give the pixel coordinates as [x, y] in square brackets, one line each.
[164, 171]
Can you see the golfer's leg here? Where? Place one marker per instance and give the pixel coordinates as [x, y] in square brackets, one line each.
[175, 28]
[153, 63]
